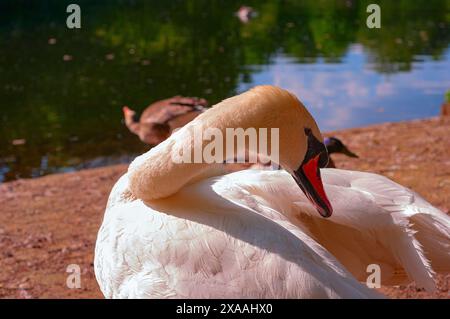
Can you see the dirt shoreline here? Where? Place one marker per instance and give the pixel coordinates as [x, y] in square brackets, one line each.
[51, 222]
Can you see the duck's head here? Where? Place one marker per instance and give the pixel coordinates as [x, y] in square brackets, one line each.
[335, 145]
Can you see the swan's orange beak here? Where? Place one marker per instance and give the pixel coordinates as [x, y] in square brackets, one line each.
[308, 176]
[309, 179]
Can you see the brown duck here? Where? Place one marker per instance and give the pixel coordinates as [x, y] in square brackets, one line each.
[159, 119]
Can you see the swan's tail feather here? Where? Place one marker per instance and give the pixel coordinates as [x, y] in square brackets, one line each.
[410, 255]
[425, 250]
[422, 240]
[433, 234]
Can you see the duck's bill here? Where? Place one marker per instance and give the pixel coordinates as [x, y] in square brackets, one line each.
[309, 179]
[126, 110]
[349, 153]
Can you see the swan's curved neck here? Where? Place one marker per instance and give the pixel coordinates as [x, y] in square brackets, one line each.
[160, 173]
[182, 159]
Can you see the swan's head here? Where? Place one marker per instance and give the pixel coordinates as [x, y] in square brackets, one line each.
[301, 150]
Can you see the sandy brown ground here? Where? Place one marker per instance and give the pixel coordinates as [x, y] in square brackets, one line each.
[51, 222]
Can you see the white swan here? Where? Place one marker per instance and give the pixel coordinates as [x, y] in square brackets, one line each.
[254, 233]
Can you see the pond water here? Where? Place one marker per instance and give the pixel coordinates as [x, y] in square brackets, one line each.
[61, 90]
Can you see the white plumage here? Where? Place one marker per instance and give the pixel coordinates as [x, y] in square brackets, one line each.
[254, 234]
[188, 231]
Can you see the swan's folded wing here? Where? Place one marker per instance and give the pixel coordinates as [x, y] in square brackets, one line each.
[429, 227]
[412, 233]
[375, 221]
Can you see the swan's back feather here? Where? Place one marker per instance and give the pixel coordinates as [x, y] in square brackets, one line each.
[198, 244]
[254, 234]
[376, 221]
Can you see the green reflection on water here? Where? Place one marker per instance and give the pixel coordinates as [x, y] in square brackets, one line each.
[135, 52]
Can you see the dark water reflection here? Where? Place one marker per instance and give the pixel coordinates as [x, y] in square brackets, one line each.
[135, 52]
